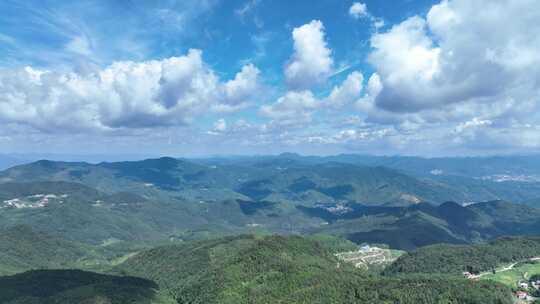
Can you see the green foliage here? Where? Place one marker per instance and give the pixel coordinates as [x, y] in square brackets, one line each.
[520, 272]
[408, 228]
[279, 179]
[22, 249]
[276, 269]
[332, 243]
[473, 258]
[75, 286]
[426, 290]
[75, 190]
[159, 199]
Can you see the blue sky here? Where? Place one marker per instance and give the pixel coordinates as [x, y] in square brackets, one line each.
[258, 76]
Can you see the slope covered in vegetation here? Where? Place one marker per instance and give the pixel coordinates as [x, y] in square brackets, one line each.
[22, 248]
[75, 286]
[276, 269]
[456, 259]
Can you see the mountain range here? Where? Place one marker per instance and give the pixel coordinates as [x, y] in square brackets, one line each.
[167, 198]
[262, 229]
[242, 269]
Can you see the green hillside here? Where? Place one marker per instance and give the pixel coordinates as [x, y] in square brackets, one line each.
[411, 227]
[174, 199]
[279, 179]
[76, 212]
[275, 269]
[23, 249]
[11, 190]
[236, 269]
[75, 286]
[454, 259]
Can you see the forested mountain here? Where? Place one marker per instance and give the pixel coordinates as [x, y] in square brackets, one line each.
[527, 165]
[274, 269]
[455, 259]
[75, 286]
[22, 248]
[283, 178]
[77, 212]
[185, 227]
[180, 152]
[242, 269]
[288, 180]
[424, 224]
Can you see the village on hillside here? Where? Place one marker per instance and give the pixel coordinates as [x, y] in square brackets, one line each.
[523, 277]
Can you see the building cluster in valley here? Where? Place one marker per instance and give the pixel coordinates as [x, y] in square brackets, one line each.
[525, 289]
[33, 201]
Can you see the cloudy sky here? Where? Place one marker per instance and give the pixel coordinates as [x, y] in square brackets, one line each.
[207, 77]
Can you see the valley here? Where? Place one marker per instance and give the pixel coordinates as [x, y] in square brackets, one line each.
[284, 228]
[270, 152]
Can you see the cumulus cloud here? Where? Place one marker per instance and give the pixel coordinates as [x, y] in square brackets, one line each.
[242, 87]
[312, 61]
[347, 92]
[460, 52]
[294, 106]
[474, 123]
[358, 10]
[455, 79]
[458, 77]
[123, 95]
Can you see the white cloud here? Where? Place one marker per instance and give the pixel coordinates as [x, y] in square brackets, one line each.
[293, 107]
[312, 61]
[366, 104]
[459, 77]
[463, 77]
[243, 86]
[474, 123]
[358, 10]
[378, 23]
[220, 126]
[347, 92]
[460, 52]
[407, 63]
[297, 107]
[123, 95]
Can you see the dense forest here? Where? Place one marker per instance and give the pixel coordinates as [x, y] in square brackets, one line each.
[276, 269]
[455, 259]
[248, 269]
[75, 286]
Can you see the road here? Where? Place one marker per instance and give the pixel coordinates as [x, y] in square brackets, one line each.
[509, 267]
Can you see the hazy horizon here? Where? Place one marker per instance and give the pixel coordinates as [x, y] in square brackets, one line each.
[20, 158]
[270, 151]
